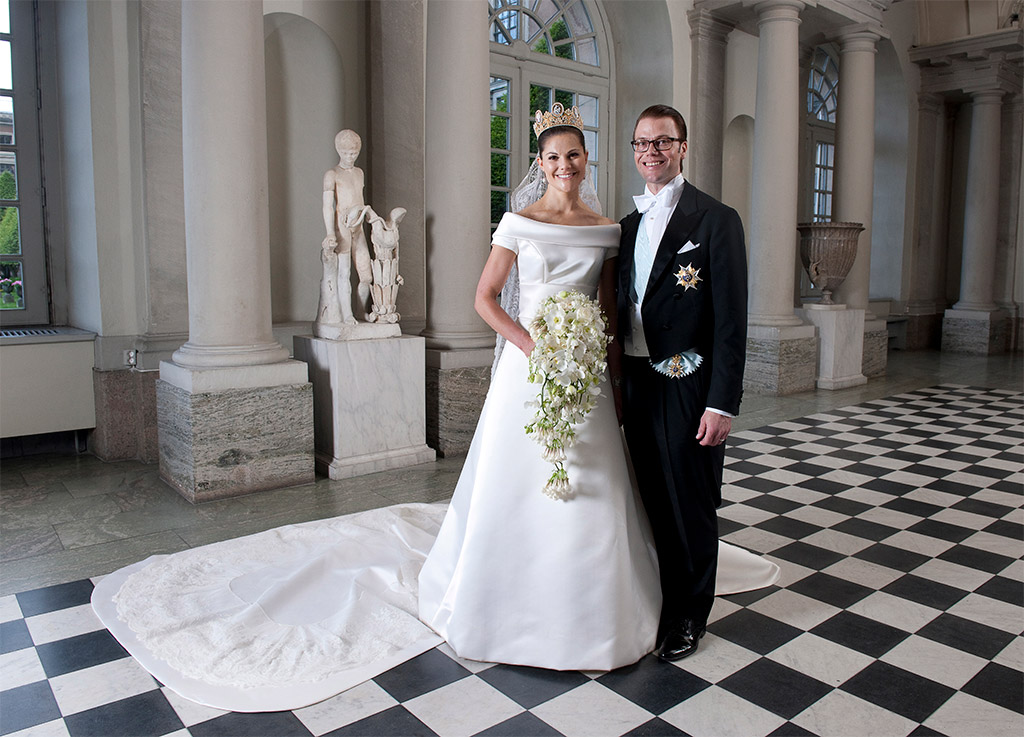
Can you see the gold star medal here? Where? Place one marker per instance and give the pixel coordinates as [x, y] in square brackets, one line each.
[687, 277]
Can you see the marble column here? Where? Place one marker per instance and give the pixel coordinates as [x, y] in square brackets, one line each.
[708, 40]
[234, 414]
[975, 324]
[854, 177]
[924, 311]
[459, 344]
[780, 348]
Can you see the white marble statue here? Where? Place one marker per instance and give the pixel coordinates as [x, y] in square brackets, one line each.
[386, 279]
[343, 197]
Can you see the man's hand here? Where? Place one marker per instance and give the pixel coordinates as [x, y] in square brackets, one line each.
[714, 428]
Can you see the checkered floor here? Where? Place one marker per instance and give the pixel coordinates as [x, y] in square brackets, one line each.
[899, 527]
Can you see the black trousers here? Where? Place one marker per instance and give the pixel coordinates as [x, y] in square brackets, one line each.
[680, 482]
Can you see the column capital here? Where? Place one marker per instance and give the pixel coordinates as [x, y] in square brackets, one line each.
[929, 102]
[858, 37]
[778, 10]
[987, 96]
[706, 25]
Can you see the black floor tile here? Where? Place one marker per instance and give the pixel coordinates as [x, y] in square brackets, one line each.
[727, 526]
[926, 469]
[791, 730]
[775, 687]
[999, 685]
[520, 726]
[912, 506]
[887, 486]
[941, 530]
[982, 560]
[838, 504]
[81, 651]
[831, 590]
[923, 731]
[788, 527]
[422, 674]
[809, 556]
[657, 727]
[14, 635]
[898, 690]
[963, 634]
[1004, 589]
[1012, 530]
[860, 633]
[825, 486]
[746, 598]
[987, 509]
[773, 503]
[865, 529]
[146, 714]
[930, 593]
[754, 631]
[394, 722]
[758, 483]
[897, 558]
[751, 469]
[653, 685]
[52, 598]
[27, 706]
[529, 687]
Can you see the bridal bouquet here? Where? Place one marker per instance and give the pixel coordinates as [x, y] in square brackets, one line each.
[568, 361]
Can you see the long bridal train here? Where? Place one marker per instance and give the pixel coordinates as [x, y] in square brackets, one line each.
[286, 618]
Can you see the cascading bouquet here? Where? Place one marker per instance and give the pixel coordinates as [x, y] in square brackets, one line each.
[568, 361]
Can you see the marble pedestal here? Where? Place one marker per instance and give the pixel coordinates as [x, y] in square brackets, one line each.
[840, 344]
[780, 360]
[368, 399]
[975, 332]
[231, 431]
[457, 384]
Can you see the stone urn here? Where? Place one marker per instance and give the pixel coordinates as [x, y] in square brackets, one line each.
[827, 251]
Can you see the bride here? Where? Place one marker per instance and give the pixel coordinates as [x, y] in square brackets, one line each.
[294, 615]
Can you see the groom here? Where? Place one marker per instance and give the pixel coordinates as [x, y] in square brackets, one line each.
[682, 303]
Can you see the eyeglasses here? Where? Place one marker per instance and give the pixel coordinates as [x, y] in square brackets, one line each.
[660, 144]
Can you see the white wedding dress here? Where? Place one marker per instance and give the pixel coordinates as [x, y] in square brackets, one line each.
[291, 616]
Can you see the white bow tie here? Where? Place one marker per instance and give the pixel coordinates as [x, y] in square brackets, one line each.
[645, 202]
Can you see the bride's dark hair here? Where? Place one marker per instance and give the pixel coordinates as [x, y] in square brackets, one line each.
[542, 139]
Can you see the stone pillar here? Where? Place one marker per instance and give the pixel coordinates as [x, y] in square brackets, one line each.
[974, 324]
[780, 348]
[1009, 292]
[459, 344]
[854, 177]
[924, 311]
[234, 414]
[708, 39]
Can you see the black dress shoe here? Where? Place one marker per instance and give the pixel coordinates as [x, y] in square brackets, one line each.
[681, 640]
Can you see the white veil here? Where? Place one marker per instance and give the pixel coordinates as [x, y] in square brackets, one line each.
[528, 191]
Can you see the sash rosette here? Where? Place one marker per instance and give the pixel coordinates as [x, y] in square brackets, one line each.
[568, 361]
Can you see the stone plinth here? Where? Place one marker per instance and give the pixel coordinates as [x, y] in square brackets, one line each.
[368, 399]
[975, 332]
[780, 360]
[840, 344]
[232, 431]
[457, 384]
[876, 348]
[126, 417]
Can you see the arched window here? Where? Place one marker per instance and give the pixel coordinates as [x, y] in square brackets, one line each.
[822, 87]
[542, 52]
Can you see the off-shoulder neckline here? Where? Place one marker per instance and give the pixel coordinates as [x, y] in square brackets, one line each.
[560, 225]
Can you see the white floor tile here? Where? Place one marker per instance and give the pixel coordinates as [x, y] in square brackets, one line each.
[998, 544]
[789, 572]
[849, 478]
[823, 659]
[714, 712]
[745, 515]
[189, 711]
[964, 714]
[863, 572]
[100, 684]
[9, 608]
[889, 517]
[753, 538]
[931, 496]
[895, 611]
[357, 703]
[801, 611]
[592, 711]
[968, 520]
[473, 666]
[840, 542]
[840, 713]
[463, 708]
[917, 543]
[865, 496]
[952, 574]
[56, 728]
[1012, 656]
[992, 612]
[63, 623]
[817, 516]
[722, 608]
[935, 661]
[717, 659]
[19, 668]
[796, 494]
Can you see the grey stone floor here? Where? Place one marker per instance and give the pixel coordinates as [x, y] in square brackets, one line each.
[65, 518]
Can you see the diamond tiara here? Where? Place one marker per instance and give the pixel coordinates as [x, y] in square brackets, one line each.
[558, 116]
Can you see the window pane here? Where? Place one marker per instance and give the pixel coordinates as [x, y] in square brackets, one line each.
[499, 132]
[540, 99]
[586, 51]
[541, 45]
[8, 176]
[499, 205]
[579, 21]
[566, 51]
[5, 17]
[499, 94]
[546, 10]
[565, 97]
[12, 293]
[499, 170]
[10, 232]
[588, 109]
[559, 30]
[498, 35]
[590, 137]
[533, 140]
[510, 19]
[593, 175]
[6, 120]
[531, 28]
[6, 80]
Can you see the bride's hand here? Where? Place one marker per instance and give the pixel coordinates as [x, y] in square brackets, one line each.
[526, 345]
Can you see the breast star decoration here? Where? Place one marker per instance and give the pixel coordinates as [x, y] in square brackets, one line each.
[687, 277]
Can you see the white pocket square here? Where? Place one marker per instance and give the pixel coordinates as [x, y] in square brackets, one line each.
[690, 245]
